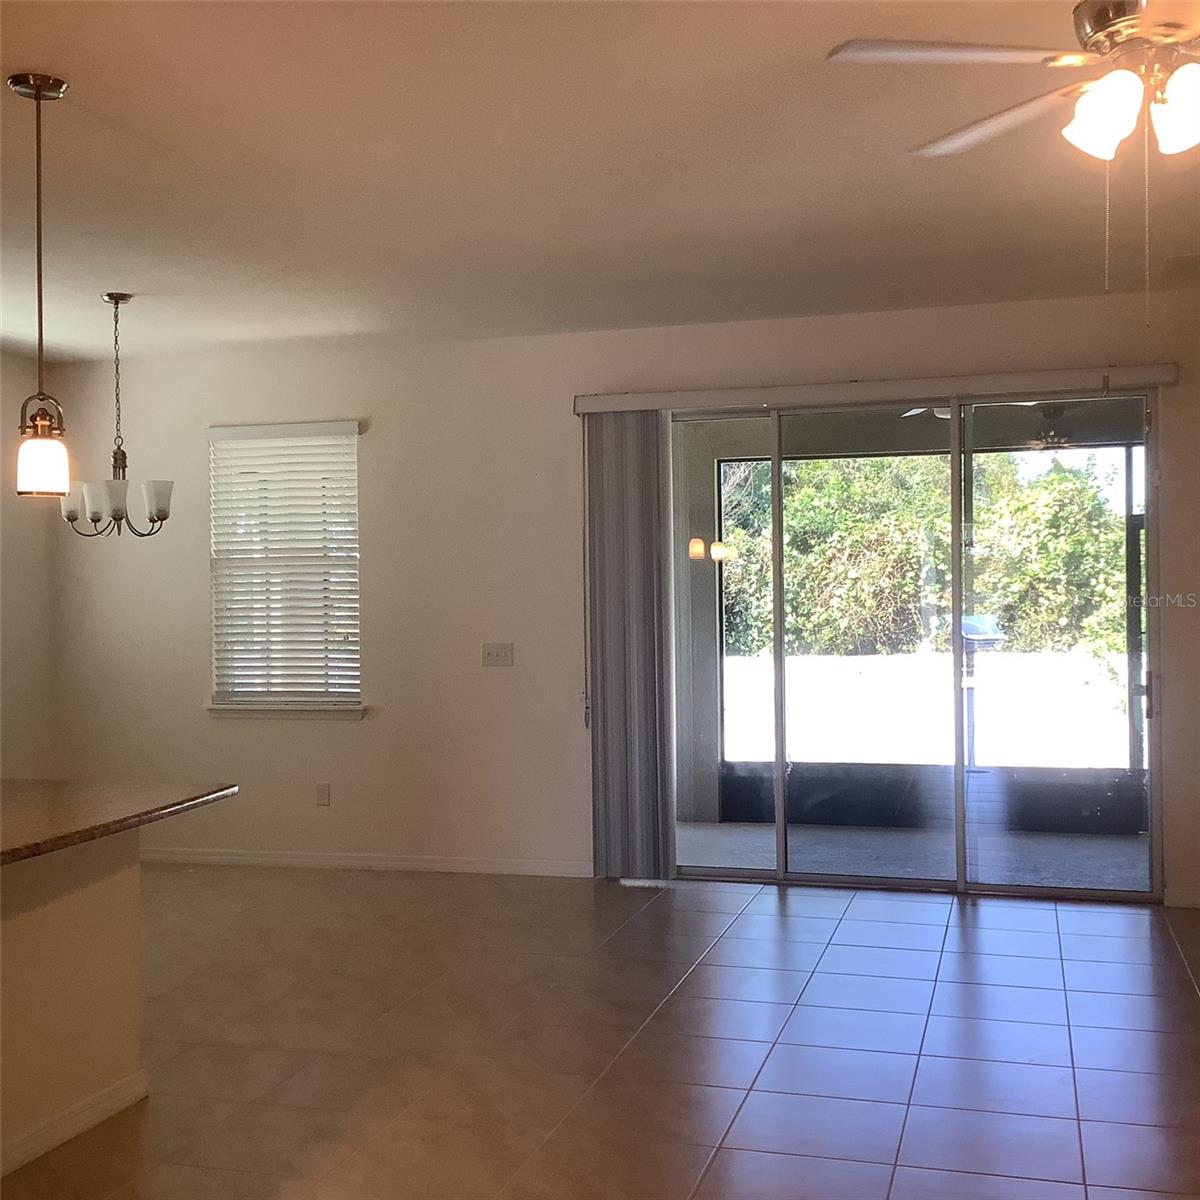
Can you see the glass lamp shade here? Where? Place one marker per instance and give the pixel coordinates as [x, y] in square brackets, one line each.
[1176, 119]
[696, 549]
[157, 495]
[1106, 114]
[718, 551]
[105, 500]
[42, 467]
[72, 502]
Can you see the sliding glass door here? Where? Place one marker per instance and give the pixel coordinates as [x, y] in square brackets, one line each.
[1053, 665]
[856, 700]
[869, 729]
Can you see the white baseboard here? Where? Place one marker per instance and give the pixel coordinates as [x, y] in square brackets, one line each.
[32, 1143]
[571, 868]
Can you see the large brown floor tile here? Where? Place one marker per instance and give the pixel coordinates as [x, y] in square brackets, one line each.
[701, 1016]
[754, 1175]
[865, 992]
[855, 1029]
[1142, 1156]
[884, 962]
[990, 913]
[859, 1130]
[993, 1002]
[1136, 1050]
[757, 952]
[783, 928]
[916, 1183]
[1139, 1099]
[995, 1087]
[962, 939]
[223, 1072]
[999, 1041]
[1004, 970]
[1135, 979]
[744, 983]
[801, 902]
[899, 935]
[575, 1167]
[827, 1071]
[1083, 947]
[992, 1143]
[679, 1058]
[1180, 1014]
[620, 1109]
[868, 906]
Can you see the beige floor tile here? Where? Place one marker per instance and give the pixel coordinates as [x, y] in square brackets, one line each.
[679, 1058]
[622, 1109]
[222, 1072]
[158, 1129]
[753, 1175]
[345, 1083]
[572, 1167]
[700, 1016]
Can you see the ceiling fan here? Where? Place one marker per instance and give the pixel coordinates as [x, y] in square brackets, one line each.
[1151, 60]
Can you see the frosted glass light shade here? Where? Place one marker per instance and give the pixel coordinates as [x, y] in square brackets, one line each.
[696, 549]
[1106, 114]
[42, 467]
[105, 500]
[1176, 119]
[72, 502]
[157, 495]
[718, 551]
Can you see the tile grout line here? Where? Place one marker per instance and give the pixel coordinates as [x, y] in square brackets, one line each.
[627, 1043]
[766, 1057]
[920, 1049]
[1071, 1052]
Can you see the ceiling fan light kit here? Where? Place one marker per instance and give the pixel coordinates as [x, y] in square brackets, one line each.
[43, 468]
[1154, 64]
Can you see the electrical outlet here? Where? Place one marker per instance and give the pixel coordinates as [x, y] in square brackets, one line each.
[497, 654]
[324, 794]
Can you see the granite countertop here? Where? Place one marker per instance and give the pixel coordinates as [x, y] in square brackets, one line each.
[38, 816]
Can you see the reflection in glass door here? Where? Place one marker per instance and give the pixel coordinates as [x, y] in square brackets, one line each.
[724, 636]
[1053, 656]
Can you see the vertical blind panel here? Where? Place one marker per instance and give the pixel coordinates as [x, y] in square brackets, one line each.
[285, 600]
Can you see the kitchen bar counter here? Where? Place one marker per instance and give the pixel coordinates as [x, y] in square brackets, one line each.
[71, 948]
[38, 816]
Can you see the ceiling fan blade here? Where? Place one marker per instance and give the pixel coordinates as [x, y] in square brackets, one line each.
[913, 412]
[868, 50]
[978, 132]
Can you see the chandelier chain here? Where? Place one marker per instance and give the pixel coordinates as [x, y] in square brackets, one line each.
[118, 440]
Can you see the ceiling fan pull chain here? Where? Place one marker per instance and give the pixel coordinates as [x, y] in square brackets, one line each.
[1146, 204]
[1107, 225]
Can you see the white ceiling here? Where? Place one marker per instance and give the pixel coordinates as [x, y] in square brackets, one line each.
[278, 170]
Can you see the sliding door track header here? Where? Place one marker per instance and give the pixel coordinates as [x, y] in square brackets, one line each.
[1081, 381]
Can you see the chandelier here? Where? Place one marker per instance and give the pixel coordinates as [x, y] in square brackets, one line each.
[105, 503]
[42, 466]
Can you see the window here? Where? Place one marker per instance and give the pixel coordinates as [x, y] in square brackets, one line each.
[284, 516]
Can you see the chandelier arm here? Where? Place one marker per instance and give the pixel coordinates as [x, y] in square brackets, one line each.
[98, 530]
[155, 526]
[37, 171]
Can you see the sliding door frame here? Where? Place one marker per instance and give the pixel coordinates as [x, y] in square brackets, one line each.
[961, 409]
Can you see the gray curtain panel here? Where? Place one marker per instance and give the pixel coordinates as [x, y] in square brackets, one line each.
[629, 666]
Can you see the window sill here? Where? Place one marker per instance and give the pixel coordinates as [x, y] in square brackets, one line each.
[290, 712]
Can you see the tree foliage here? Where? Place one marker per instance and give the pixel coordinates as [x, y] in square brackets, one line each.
[866, 551]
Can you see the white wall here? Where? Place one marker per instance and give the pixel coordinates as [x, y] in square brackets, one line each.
[471, 515]
[28, 612]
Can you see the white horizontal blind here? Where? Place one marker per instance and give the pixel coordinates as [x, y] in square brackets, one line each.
[284, 517]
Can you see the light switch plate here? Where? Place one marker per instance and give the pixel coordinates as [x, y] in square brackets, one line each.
[497, 654]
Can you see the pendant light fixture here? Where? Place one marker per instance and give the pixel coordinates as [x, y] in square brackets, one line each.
[104, 503]
[42, 465]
